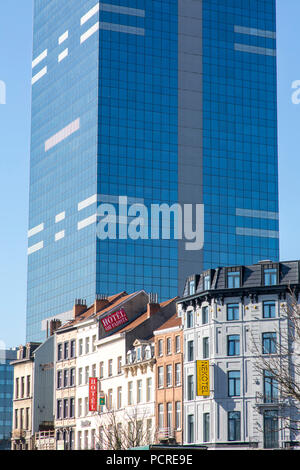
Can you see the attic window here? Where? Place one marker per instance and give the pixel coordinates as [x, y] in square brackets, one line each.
[192, 287]
[233, 279]
[206, 282]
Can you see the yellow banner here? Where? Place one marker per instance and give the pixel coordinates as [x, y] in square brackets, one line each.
[203, 378]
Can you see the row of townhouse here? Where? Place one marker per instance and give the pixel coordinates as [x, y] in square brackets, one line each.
[193, 370]
[117, 342]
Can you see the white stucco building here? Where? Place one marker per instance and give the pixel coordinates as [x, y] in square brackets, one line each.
[234, 318]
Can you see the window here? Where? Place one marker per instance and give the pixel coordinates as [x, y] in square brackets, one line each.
[59, 379]
[17, 388]
[79, 407]
[190, 319]
[86, 440]
[269, 343]
[190, 350]
[66, 350]
[22, 387]
[160, 416]
[190, 429]
[204, 315]
[269, 309]
[86, 406]
[160, 347]
[59, 351]
[101, 370]
[177, 344]
[119, 397]
[206, 282]
[66, 377]
[109, 399]
[178, 415]
[66, 407]
[191, 287]
[270, 276]
[149, 389]
[169, 346]
[72, 407]
[72, 348]
[119, 365]
[94, 370]
[87, 374]
[93, 439]
[271, 430]
[28, 386]
[87, 345]
[234, 426]
[59, 409]
[130, 389]
[205, 348]
[234, 381]
[169, 416]
[206, 427]
[233, 345]
[190, 387]
[177, 374]
[80, 347]
[79, 440]
[80, 376]
[139, 354]
[139, 391]
[233, 280]
[27, 419]
[110, 366]
[16, 419]
[169, 375]
[93, 343]
[270, 387]
[160, 377]
[232, 312]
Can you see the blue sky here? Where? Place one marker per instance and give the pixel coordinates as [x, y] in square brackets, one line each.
[15, 71]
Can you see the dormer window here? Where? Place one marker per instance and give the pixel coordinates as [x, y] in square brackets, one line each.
[206, 282]
[139, 354]
[233, 279]
[192, 287]
[270, 276]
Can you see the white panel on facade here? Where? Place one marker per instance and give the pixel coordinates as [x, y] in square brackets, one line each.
[87, 202]
[39, 75]
[60, 217]
[34, 248]
[39, 59]
[62, 135]
[86, 222]
[63, 37]
[63, 55]
[35, 230]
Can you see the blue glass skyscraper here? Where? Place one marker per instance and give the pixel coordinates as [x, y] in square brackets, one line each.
[161, 101]
[6, 396]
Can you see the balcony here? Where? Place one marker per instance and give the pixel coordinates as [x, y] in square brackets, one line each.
[268, 401]
[166, 434]
[19, 434]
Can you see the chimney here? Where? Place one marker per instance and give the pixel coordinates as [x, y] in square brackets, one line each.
[79, 307]
[153, 305]
[54, 325]
[100, 302]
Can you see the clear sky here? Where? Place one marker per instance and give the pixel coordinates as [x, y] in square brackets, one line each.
[15, 72]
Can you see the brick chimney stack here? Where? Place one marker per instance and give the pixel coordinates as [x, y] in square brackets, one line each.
[100, 302]
[54, 325]
[153, 305]
[79, 307]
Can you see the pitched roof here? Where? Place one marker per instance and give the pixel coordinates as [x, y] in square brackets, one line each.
[171, 323]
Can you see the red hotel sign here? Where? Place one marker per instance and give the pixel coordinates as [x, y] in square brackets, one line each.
[93, 394]
[114, 320]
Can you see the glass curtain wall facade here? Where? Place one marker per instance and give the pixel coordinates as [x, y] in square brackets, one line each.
[6, 397]
[165, 101]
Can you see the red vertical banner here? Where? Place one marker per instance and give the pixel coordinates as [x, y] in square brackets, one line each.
[93, 393]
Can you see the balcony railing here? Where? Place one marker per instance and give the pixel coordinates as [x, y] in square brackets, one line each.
[166, 433]
[268, 400]
[19, 434]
